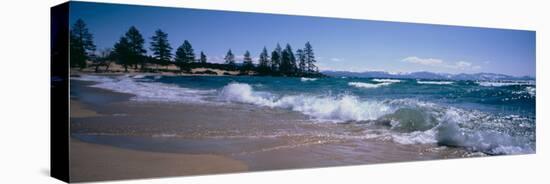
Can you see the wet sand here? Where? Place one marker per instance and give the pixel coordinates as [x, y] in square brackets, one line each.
[96, 162]
[228, 138]
[93, 162]
[78, 110]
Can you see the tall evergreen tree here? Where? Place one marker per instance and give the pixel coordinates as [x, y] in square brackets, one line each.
[288, 61]
[310, 59]
[184, 55]
[81, 44]
[230, 58]
[247, 61]
[162, 51]
[122, 53]
[203, 58]
[135, 45]
[301, 57]
[276, 57]
[263, 62]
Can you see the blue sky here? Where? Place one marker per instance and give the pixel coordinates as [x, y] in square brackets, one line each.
[339, 44]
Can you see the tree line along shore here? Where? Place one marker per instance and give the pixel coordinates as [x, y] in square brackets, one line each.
[129, 55]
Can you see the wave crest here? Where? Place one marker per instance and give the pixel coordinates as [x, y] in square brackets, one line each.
[325, 108]
[435, 82]
[305, 79]
[368, 85]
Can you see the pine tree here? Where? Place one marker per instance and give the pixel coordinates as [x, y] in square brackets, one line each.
[135, 45]
[276, 57]
[288, 61]
[203, 58]
[247, 61]
[230, 59]
[81, 44]
[301, 61]
[264, 63]
[122, 53]
[184, 55]
[310, 59]
[162, 51]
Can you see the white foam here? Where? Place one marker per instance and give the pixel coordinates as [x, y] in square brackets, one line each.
[305, 79]
[386, 80]
[416, 137]
[147, 91]
[325, 108]
[240, 92]
[450, 132]
[138, 76]
[368, 85]
[504, 83]
[531, 90]
[435, 82]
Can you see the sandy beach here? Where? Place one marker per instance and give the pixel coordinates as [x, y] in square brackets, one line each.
[94, 162]
[115, 137]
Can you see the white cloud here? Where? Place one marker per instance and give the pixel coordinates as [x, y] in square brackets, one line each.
[336, 59]
[460, 65]
[423, 61]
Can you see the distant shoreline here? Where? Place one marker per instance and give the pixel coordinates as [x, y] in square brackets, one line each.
[172, 70]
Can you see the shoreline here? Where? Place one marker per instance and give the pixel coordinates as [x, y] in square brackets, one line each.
[260, 138]
[97, 162]
[172, 70]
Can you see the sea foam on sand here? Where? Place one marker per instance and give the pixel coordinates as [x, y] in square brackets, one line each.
[146, 90]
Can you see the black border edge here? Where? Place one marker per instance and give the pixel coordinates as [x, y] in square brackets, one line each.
[59, 92]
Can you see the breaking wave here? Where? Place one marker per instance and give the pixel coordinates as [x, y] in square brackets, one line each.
[408, 121]
[368, 85]
[386, 80]
[504, 83]
[305, 79]
[435, 82]
[326, 108]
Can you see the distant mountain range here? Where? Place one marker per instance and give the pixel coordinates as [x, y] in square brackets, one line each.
[426, 75]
